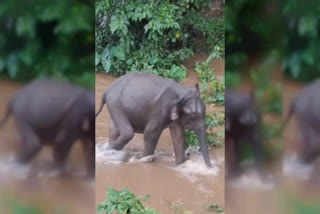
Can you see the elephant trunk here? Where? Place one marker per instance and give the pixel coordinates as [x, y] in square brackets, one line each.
[201, 133]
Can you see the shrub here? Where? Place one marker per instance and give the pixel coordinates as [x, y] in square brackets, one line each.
[124, 202]
[47, 38]
[156, 36]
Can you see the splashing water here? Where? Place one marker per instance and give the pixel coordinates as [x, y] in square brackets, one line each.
[9, 167]
[291, 166]
[252, 180]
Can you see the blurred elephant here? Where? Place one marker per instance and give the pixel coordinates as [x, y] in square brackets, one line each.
[242, 120]
[145, 103]
[48, 112]
[305, 107]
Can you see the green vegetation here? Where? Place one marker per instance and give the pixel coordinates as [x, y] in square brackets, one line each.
[47, 38]
[176, 206]
[290, 29]
[155, 36]
[302, 39]
[214, 138]
[215, 208]
[123, 201]
[13, 204]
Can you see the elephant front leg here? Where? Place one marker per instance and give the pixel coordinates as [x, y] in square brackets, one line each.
[178, 138]
[89, 152]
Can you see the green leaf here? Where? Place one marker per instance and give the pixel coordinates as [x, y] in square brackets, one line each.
[12, 65]
[25, 26]
[118, 52]
[97, 59]
[106, 63]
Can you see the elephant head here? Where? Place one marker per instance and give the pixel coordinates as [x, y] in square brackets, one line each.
[190, 112]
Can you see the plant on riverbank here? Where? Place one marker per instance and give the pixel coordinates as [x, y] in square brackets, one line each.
[214, 138]
[215, 208]
[47, 38]
[124, 202]
[176, 206]
[156, 36]
[212, 88]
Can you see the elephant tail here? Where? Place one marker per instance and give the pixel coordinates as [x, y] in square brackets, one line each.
[103, 101]
[7, 115]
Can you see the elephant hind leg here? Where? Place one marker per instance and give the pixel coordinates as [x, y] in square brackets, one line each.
[30, 144]
[309, 151]
[123, 125]
[113, 132]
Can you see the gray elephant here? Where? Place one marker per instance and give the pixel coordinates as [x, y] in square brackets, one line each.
[242, 120]
[305, 107]
[49, 112]
[145, 103]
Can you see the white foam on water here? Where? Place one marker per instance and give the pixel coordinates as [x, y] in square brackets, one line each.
[252, 180]
[10, 168]
[110, 156]
[291, 166]
[196, 166]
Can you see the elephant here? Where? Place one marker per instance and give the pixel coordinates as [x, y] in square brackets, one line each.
[54, 113]
[141, 102]
[305, 107]
[242, 121]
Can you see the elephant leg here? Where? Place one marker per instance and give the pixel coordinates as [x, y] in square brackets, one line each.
[234, 158]
[151, 134]
[61, 151]
[178, 138]
[89, 152]
[30, 144]
[113, 132]
[124, 127]
[307, 153]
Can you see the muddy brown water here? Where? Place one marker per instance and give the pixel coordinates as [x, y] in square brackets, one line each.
[161, 179]
[286, 190]
[34, 183]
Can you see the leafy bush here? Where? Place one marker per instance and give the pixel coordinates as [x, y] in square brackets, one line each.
[212, 89]
[156, 36]
[215, 208]
[47, 38]
[213, 139]
[214, 93]
[123, 202]
[302, 39]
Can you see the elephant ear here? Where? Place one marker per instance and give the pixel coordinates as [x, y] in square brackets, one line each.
[168, 105]
[248, 118]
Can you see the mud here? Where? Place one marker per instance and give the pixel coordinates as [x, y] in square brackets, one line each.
[34, 183]
[191, 186]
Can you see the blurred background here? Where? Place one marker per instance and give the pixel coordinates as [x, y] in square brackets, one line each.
[43, 39]
[272, 48]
